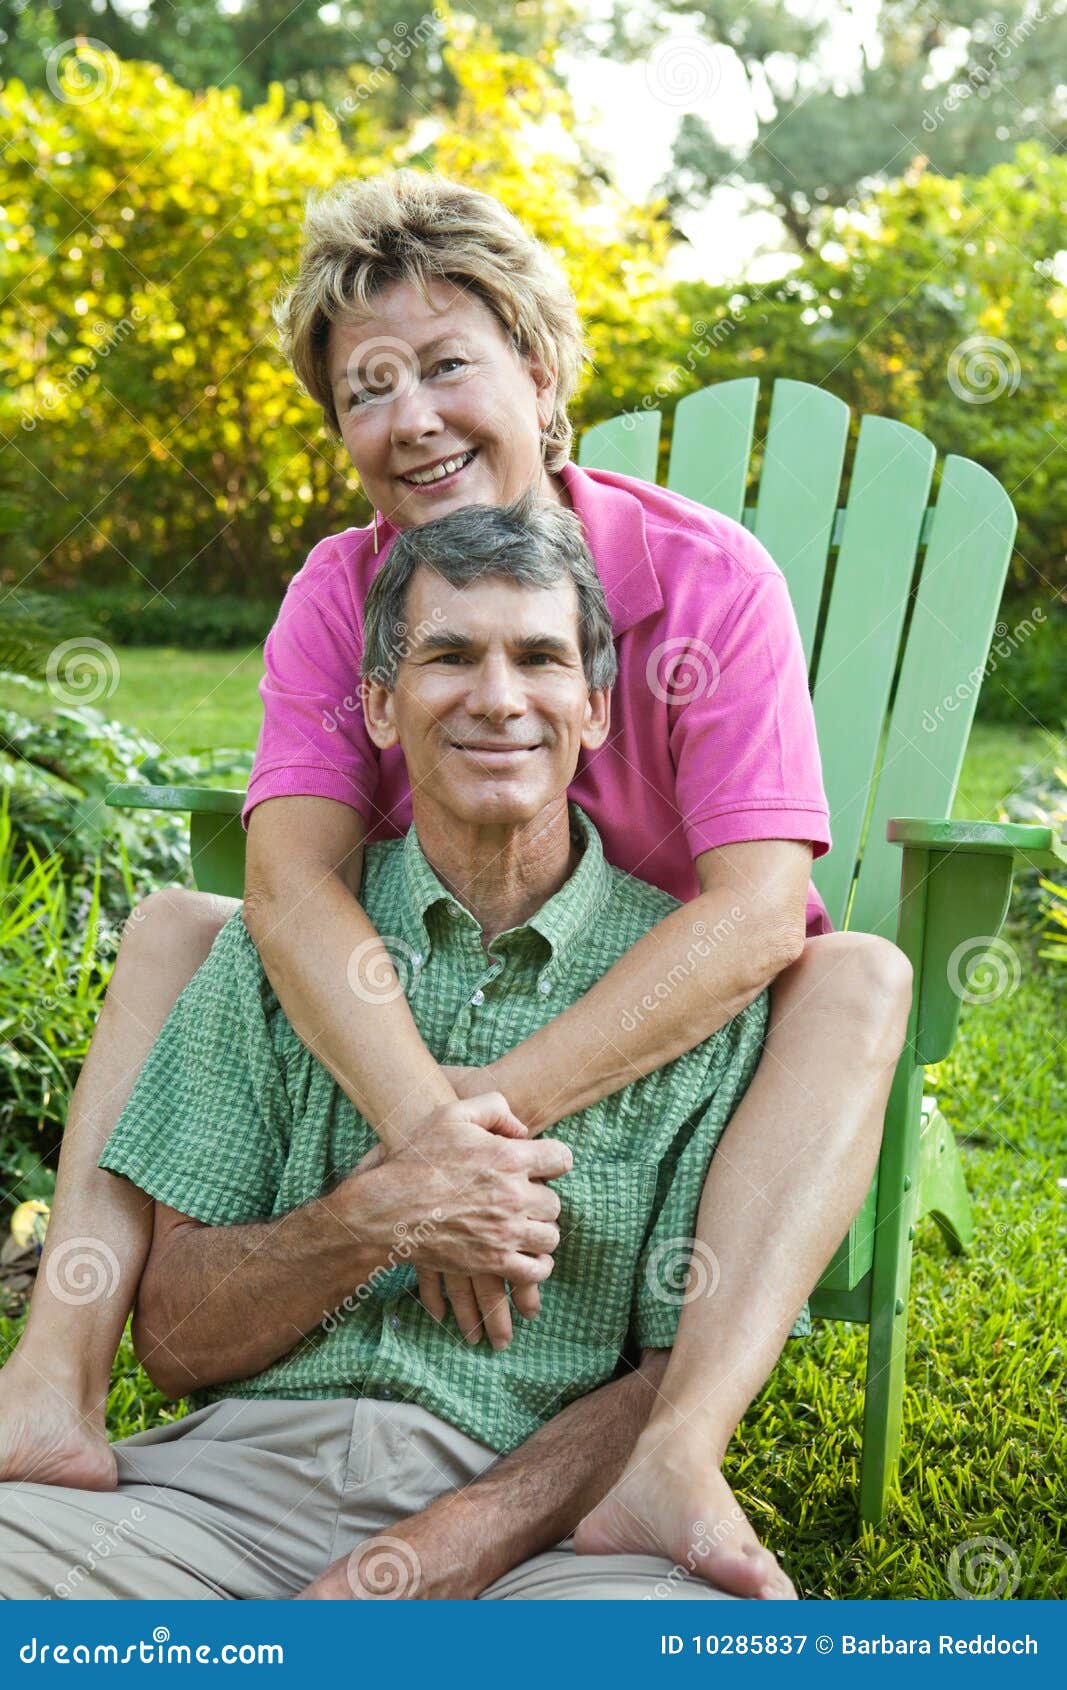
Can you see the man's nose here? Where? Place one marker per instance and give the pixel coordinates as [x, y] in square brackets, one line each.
[496, 690]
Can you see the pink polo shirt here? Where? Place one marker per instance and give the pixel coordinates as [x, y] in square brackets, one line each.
[712, 734]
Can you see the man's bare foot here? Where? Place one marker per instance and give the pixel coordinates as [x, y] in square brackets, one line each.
[44, 1440]
[663, 1505]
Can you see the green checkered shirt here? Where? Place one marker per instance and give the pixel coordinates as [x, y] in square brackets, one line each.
[232, 1120]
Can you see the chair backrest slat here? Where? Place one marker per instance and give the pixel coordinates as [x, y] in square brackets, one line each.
[883, 519]
[711, 443]
[626, 445]
[798, 489]
[944, 661]
[968, 540]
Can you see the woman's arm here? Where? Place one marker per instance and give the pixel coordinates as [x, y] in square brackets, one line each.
[679, 984]
[304, 866]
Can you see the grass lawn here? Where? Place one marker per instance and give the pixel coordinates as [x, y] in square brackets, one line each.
[188, 701]
[985, 1427]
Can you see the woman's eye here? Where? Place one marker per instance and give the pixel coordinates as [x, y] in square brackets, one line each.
[443, 361]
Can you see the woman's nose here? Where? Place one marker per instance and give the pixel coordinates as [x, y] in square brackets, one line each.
[412, 414]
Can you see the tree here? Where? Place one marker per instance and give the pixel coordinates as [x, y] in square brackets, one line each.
[307, 49]
[955, 83]
[156, 432]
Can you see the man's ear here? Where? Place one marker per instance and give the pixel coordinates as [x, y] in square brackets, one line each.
[378, 712]
[597, 718]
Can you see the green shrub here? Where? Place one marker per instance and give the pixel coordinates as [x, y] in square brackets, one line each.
[1041, 797]
[54, 968]
[1031, 678]
[57, 771]
[196, 622]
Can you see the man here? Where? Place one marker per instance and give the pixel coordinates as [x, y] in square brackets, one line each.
[348, 1440]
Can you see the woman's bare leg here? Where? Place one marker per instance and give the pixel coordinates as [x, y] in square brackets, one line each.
[784, 1185]
[53, 1387]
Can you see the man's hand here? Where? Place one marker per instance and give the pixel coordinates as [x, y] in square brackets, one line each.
[466, 1194]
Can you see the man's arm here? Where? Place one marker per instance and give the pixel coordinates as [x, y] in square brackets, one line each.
[718, 953]
[525, 1502]
[223, 1302]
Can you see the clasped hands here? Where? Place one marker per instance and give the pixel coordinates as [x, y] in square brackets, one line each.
[465, 1190]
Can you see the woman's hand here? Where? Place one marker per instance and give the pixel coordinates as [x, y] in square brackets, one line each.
[479, 1301]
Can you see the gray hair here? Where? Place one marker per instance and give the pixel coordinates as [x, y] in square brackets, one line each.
[532, 542]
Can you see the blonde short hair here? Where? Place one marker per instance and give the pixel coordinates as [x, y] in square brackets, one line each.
[415, 227]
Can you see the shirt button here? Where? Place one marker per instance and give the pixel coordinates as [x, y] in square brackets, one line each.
[479, 997]
[394, 1321]
[544, 986]
[386, 1395]
[454, 912]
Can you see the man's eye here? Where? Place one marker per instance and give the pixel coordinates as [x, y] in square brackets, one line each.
[539, 657]
[450, 657]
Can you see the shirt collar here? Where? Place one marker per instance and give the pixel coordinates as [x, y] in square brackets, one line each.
[613, 519]
[558, 921]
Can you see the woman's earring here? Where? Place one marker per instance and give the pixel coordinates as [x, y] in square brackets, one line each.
[376, 533]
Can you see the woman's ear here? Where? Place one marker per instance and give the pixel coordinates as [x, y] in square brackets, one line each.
[544, 381]
[378, 712]
[597, 718]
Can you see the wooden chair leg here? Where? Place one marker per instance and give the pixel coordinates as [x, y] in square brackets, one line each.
[890, 1283]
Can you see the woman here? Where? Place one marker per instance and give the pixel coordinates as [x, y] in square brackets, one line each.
[443, 344]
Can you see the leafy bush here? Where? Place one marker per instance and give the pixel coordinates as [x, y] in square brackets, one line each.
[54, 968]
[1041, 796]
[196, 622]
[57, 771]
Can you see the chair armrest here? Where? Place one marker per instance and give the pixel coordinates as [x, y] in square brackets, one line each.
[194, 800]
[955, 887]
[1029, 845]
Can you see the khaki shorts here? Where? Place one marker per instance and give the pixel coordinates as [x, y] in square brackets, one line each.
[248, 1500]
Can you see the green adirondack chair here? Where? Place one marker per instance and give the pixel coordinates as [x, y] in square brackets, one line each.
[891, 762]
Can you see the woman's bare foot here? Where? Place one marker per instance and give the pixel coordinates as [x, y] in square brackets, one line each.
[664, 1505]
[46, 1440]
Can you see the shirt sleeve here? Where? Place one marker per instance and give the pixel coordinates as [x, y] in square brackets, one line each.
[206, 1127]
[744, 746]
[675, 1266]
[313, 742]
